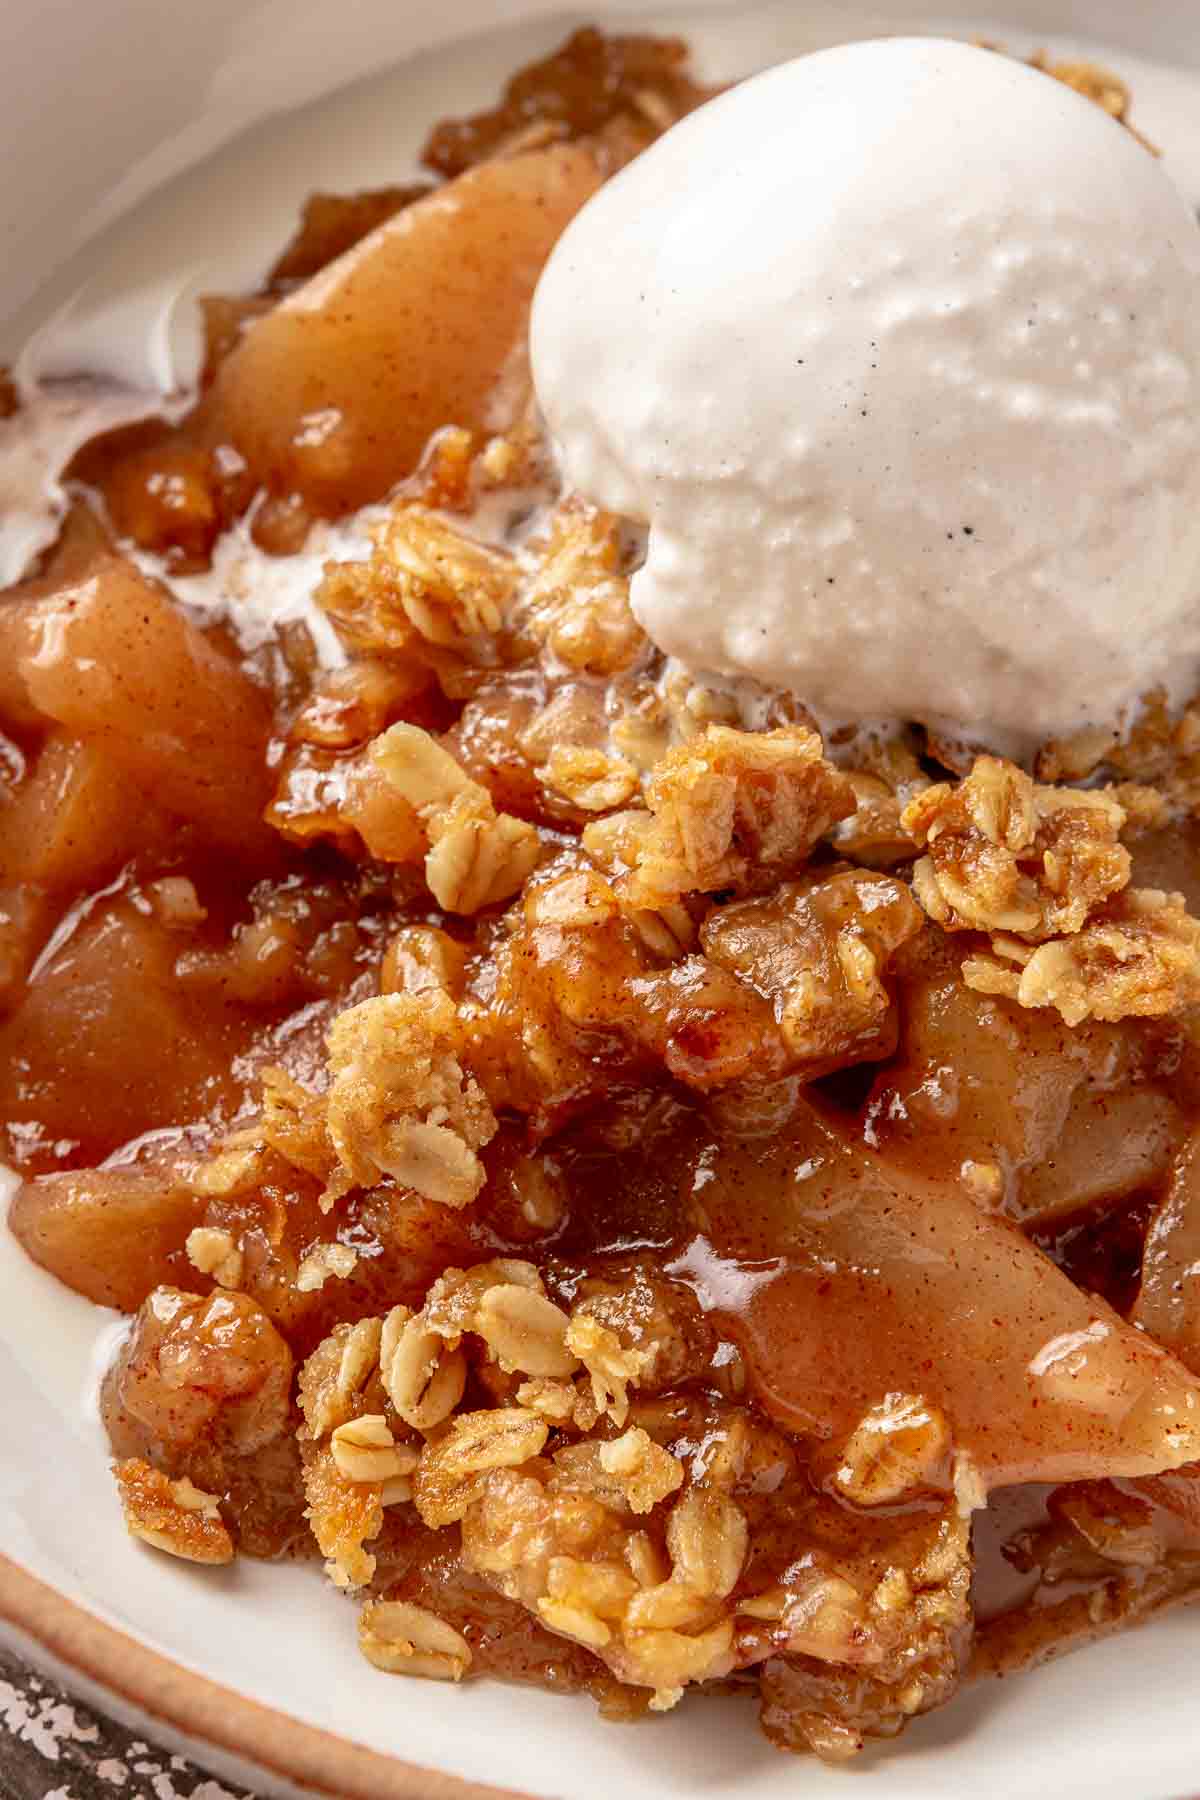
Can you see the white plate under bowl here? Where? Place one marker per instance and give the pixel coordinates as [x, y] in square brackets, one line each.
[100, 104]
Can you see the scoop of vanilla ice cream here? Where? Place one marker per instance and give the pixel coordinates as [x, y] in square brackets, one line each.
[896, 350]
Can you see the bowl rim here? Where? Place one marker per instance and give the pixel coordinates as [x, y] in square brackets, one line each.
[208, 1713]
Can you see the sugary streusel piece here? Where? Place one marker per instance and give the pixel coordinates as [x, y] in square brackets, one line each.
[476, 856]
[819, 951]
[1159, 748]
[424, 584]
[555, 1401]
[593, 780]
[1145, 808]
[873, 834]
[678, 1583]
[400, 1103]
[574, 718]
[404, 1639]
[340, 1380]
[574, 965]
[419, 769]
[344, 1515]
[525, 1332]
[293, 1122]
[171, 1515]
[648, 716]
[1008, 855]
[453, 1302]
[1137, 957]
[349, 705]
[504, 1303]
[217, 1253]
[423, 1374]
[652, 1317]
[234, 1167]
[452, 590]
[730, 809]
[569, 1557]
[454, 1466]
[642, 1469]
[363, 601]
[325, 1262]
[577, 604]
[885, 773]
[617, 92]
[612, 1366]
[444, 476]
[365, 1449]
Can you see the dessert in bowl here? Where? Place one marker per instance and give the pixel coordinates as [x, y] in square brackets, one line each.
[584, 968]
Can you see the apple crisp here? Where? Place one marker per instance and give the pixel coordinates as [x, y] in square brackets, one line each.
[643, 1194]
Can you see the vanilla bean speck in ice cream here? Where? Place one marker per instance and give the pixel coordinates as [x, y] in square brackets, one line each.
[896, 351]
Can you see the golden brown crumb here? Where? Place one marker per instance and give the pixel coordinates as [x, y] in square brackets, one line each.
[592, 780]
[323, 1263]
[476, 856]
[454, 1466]
[425, 592]
[731, 810]
[1158, 748]
[590, 84]
[564, 1555]
[420, 957]
[404, 1639]
[873, 834]
[903, 1635]
[1008, 855]
[423, 1374]
[452, 591]
[400, 1103]
[365, 1451]
[293, 1123]
[576, 606]
[173, 1516]
[1137, 957]
[612, 1367]
[217, 1253]
[572, 962]
[640, 1469]
[340, 1379]
[344, 1514]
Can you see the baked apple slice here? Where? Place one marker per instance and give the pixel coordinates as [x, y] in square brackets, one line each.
[1168, 1302]
[334, 394]
[1024, 1113]
[846, 1287]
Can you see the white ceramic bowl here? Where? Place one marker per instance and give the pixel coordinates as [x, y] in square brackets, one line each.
[101, 104]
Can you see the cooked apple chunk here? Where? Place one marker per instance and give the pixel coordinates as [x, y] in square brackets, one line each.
[335, 393]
